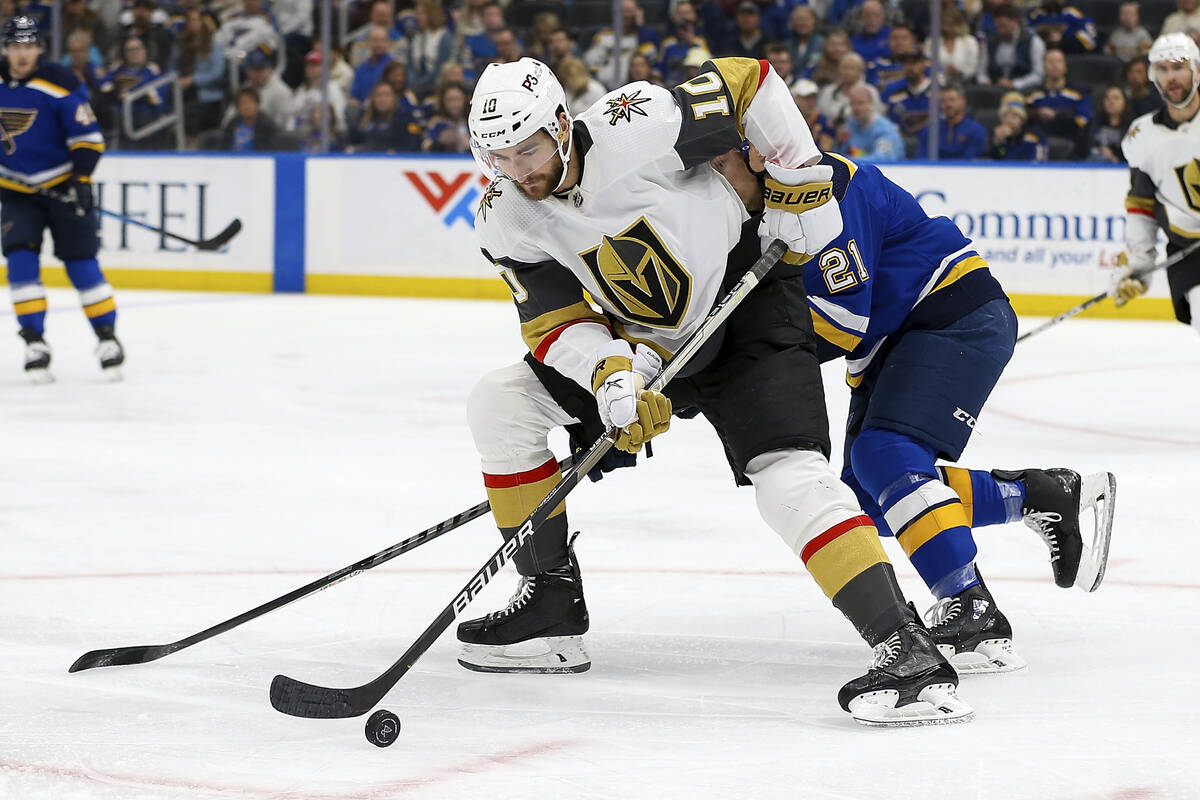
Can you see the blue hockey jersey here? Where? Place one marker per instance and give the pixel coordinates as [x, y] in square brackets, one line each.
[893, 268]
[47, 129]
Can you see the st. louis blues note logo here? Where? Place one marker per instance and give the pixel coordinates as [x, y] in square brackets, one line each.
[624, 106]
[14, 122]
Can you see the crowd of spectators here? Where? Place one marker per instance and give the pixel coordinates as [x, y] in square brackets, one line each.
[1020, 79]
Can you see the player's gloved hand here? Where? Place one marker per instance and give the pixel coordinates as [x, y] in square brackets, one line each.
[1127, 283]
[800, 207]
[618, 380]
[77, 193]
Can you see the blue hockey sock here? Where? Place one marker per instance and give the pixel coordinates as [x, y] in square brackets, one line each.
[988, 501]
[95, 294]
[926, 516]
[28, 294]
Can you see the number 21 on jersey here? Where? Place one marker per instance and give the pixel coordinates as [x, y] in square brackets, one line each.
[842, 271]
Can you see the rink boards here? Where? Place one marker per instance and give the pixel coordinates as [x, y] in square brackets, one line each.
[403, 226]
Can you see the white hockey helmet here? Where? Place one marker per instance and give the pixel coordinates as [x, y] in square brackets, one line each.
[512, 102]
[1176, 47]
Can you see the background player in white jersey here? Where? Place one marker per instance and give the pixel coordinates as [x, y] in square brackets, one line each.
[1163, 149]
[622, 204]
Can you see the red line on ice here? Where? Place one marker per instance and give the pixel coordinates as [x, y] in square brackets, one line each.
[473, 766]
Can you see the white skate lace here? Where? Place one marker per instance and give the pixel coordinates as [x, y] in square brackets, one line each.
[887, 652]
[35, 350]
[1042, 523]
[945, 609]
[519, 598]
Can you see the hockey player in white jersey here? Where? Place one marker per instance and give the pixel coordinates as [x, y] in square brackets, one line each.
[622, 204]
[1163, 150]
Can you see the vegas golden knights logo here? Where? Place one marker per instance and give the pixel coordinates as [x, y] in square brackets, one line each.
[14, 122]
[1189, 182]
[640, 276]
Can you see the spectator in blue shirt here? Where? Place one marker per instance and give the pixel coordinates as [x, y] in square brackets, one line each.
[1064, 27]
[749, 41]
[1058, 108]
[867, 135]
[481, 47]
[686, 24]
[804, 40]
[960, 138]
[370, 71]
[871, 41]
[907, 100]
[775, 17]
[249, 130]
[888, 68]
[1011, 140]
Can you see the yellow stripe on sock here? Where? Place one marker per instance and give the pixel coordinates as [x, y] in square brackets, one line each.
[959, 480]
[30, 306]
[102, 307]
[511, 505]
[930, 524]
[835, 564]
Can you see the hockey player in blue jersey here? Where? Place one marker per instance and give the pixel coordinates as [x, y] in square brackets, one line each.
[927, 330]
[50, 144]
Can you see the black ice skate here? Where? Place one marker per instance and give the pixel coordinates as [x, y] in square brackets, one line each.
[540, 630]
[110, 352]
[910, 683]
[972, 633]
[37, 356]
[1055, 501]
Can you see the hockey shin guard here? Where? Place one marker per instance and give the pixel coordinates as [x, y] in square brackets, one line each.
[926, 516]
[95, 294]
[513, 497]
[28, 294]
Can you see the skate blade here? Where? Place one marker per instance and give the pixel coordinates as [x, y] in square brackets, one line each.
[550, 655]
[40, 376]
[936, 704]
[113, 374]
[1097, 493]
[989, 657]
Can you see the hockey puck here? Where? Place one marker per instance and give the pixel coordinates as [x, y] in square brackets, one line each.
[383, 728]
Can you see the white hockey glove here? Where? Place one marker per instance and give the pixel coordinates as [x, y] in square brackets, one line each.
[800, 208]
[618, 381]
[1127, 283]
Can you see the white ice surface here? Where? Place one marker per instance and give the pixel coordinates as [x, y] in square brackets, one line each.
[259, 442]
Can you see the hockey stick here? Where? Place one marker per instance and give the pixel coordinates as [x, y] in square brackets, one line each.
[212, 243]
[1086, 304]
[140, 654]
[300, 699]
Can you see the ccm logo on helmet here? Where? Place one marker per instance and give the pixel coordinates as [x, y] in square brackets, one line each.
[491, 134]
[529, 82]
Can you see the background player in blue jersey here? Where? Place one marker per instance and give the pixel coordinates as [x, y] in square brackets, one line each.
[50, 144]
[926, 331]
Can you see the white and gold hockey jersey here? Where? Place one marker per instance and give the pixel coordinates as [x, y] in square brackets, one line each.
[647, 230]
[1164, 161]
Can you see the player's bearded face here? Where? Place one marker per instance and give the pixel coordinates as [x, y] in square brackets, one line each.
[1174, 78]
[534, 165]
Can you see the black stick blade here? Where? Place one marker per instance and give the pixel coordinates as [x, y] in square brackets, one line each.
[119, 657]
[222, 238]
[300, 699]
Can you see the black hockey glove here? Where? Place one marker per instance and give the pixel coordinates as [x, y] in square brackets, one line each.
[78, 194]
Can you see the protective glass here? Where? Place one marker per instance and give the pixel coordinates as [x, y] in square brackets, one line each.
[519, 161]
